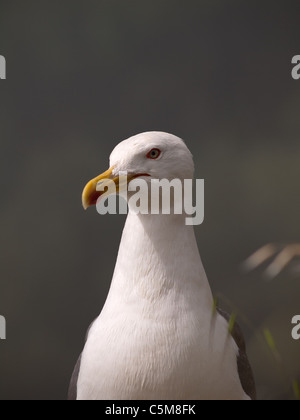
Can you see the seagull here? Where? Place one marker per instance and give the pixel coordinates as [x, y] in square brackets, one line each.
[158, 337]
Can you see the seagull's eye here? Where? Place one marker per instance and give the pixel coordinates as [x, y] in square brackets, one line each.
[154, 154]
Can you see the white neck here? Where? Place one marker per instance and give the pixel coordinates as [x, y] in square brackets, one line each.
[159, 255]
[156, 336]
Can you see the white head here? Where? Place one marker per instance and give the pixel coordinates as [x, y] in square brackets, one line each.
[137, 155]
[151, 155]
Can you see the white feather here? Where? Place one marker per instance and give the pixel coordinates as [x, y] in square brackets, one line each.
[156, 337]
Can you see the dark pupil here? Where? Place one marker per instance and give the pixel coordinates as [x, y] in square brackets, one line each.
[154, 152]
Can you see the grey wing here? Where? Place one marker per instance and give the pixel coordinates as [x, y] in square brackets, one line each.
[72, 394]
[244, 368]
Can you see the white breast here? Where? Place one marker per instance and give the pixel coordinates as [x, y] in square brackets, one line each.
[156, 337]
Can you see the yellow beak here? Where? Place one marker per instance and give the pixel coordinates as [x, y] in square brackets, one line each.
[91, 194]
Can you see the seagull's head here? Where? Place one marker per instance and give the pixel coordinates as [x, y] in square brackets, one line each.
[152, 155]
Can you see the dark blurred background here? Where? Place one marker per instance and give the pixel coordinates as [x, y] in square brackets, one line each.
[84, 75]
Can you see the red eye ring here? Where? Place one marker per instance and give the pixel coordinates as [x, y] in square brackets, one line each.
[154, 154]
